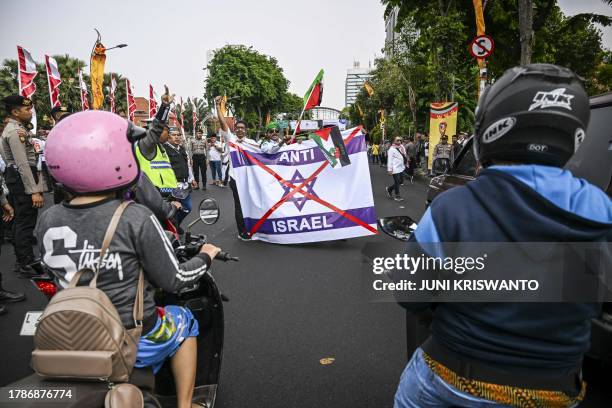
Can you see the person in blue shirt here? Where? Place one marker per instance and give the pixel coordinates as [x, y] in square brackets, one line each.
[528, 125]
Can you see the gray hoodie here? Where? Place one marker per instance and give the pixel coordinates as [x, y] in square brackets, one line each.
[70, 237]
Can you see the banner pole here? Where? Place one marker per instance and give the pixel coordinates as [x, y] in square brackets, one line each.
[298, 121]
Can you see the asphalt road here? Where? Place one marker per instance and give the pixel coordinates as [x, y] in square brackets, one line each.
[290, 307]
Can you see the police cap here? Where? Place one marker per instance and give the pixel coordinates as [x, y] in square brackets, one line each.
[15, 100]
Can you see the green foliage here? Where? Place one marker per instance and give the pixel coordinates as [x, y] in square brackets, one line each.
[69, 96]
[203, 112]
[291, 106]
[253, 82]
[430, 61]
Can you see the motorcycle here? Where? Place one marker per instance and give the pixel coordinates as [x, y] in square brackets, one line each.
[205, 302]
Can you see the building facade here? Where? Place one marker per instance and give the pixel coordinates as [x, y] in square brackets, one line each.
[390, 34]
[355, 78]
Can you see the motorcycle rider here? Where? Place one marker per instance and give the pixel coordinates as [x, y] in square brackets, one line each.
[528, 124]
[97, 171]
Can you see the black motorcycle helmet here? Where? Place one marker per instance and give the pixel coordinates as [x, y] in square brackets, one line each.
[533, 114]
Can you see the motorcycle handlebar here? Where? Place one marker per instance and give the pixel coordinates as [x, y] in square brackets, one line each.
[226, 256]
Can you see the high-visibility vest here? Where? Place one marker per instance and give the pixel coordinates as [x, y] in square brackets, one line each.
[159, 170]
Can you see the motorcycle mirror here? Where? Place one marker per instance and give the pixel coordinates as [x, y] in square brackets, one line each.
[399, 227]
[209, 211]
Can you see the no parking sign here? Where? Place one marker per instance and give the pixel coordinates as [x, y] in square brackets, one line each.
[482, 47]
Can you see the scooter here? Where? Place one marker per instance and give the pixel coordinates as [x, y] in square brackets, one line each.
[206, 303]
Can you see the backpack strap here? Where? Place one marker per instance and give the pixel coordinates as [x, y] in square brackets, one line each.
[139, 301]
[110, 231]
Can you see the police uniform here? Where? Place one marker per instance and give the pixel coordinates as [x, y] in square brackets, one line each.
[153, 159]
[199, 151]
[22, 179]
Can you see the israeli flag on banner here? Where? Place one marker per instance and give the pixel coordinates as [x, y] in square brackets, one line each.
[295, 196]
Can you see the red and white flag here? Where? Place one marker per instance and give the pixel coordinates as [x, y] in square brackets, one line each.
[182, 119]
[84, 92]
[111, 95]
[27, 72]
[26, 68]
[194, 116]
[54, 80]
[131, 103]
[152, 102]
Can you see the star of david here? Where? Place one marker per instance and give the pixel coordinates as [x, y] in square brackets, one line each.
[297, 199]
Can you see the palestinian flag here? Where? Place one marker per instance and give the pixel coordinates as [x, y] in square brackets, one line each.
[315, 92]
[332, 145]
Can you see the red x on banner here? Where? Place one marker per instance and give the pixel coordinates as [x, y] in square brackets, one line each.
[300, 189]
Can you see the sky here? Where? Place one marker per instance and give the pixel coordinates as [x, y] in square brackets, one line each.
[168, 40]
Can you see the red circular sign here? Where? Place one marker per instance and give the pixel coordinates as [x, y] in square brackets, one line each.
[482, 46]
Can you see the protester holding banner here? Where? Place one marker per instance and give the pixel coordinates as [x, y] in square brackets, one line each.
[271, 142]
[240, 138]
[395, 167]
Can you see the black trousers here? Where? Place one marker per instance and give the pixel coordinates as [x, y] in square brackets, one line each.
[25, 217]
[237, 208]
[397, 180]
[199, 166]
[227, 169]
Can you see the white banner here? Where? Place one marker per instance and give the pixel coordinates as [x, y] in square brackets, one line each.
[294, 196]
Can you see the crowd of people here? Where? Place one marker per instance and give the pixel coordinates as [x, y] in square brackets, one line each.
[493, 354]
[405, 157]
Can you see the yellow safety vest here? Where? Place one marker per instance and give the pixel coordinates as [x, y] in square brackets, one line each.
[159, 170]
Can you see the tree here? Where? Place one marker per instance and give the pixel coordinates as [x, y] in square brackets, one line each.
[253, 82]
[429, 60]
[203, 113]
[526, 29]
[291, 106]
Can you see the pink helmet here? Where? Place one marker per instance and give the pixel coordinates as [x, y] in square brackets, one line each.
[90, 152]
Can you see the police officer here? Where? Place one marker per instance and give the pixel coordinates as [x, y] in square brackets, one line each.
[151, 154]
[23, 180]
[185, 181]
[7, 215]
[199, 151]
[58, 113]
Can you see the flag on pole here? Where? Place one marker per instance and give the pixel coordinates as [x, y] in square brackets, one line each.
[478, 11]
[84, 93]
[54, 80]
[368, 87]
[113, 88]
[194, 116]
[131, 103]
[152, 102]
[172, 118]
[332, 145]
[314, 94]
[182, 119]
[25, 76]
[27, 72]
[96, 73]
